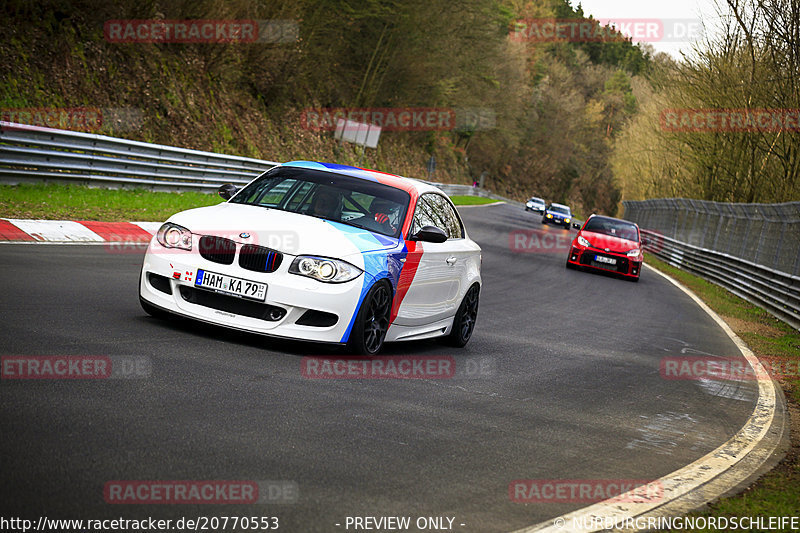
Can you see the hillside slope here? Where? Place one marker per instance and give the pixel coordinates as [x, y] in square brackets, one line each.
[554, 108]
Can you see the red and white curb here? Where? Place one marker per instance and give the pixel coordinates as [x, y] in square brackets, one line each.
[22, 230]
[68, 231]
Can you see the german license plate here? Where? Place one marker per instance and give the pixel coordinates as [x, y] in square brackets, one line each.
[229, 285]
[606, 260]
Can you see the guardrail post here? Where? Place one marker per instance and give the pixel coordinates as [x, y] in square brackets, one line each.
[776, 259]
[796, 268]
[748, 227]
[715, 245]
[706, 222]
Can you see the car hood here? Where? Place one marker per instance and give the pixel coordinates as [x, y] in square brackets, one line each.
[614, 244]
[290, 233]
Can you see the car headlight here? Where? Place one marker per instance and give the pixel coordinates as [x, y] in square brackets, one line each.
[324, 269]
[583, 242]
[549, 215]
[634, 253]
[174, 236]
[566, 220]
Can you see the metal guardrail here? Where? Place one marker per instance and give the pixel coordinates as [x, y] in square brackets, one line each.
[772, 290]
[32, 153]
[764, 234]
[753, 250]
[452, 189]
[36, 154]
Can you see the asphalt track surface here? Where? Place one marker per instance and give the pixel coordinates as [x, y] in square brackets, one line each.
[570, 389]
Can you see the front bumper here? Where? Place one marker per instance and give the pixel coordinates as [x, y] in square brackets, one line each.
[558, 221]
[296, 307]
[586, 257]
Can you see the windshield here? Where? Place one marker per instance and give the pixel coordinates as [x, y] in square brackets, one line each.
[353, 201]
[557, 209]
[536, 201]
[614, 228]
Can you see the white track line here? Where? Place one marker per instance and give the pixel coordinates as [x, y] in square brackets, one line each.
[499, 202]
[692, 476]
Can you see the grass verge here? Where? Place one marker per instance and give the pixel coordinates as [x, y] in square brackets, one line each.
[471, 200]
[75, 202]
[777, 493]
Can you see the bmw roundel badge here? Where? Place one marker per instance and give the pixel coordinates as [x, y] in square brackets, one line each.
[244, 235]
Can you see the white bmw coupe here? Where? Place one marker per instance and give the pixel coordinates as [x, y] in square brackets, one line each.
[320, 252]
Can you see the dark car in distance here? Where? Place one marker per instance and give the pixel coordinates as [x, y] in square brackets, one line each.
[557, 214]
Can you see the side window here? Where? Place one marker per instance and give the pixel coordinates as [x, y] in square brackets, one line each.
[454, 228]
[423, 215]
[434, 210]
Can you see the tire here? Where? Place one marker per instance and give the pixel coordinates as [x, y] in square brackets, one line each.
[544, 221]
[464, 321]
[372, 321]
[152, 310]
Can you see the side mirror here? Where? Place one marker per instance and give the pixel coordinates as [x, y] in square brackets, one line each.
[227, 191]
[575, 225]
[645, 242]
[429, 234]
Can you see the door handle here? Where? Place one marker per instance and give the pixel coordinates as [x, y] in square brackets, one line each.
[451, 260]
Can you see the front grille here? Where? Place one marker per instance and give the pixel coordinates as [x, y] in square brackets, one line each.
[232, 304]
[259, 258]
[588, 259]
[217, 249]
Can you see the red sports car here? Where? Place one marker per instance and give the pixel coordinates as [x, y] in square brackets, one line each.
[608, 244]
